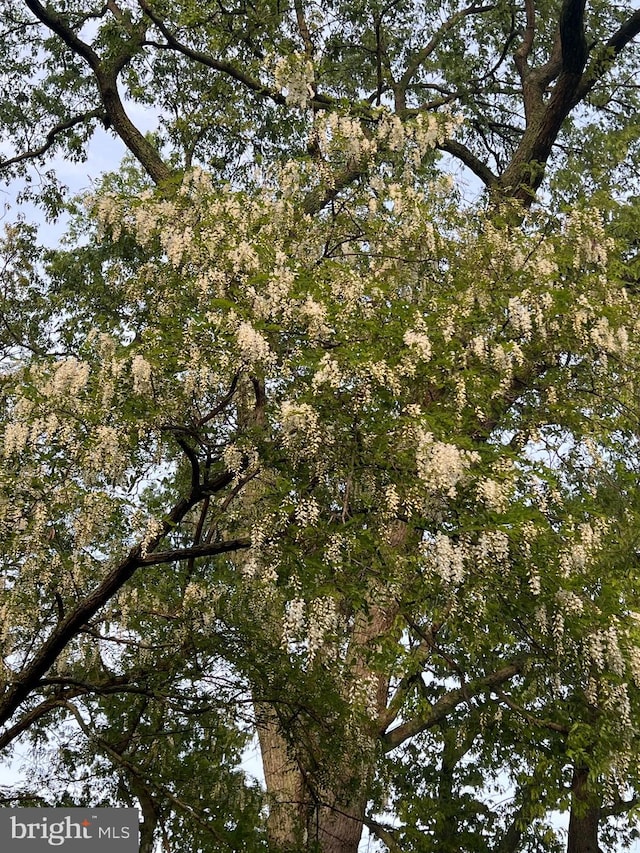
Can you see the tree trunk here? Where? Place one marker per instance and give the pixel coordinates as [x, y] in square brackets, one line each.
[585, 815]
[302, 817]
[287, 824]
[318, 791]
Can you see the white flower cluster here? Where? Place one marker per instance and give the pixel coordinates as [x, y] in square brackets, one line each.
[314, 315]
[307, 512]
[324, 622]
[244, 258]
[310, 626]
[417, 136]
[569, 602]
[154, 529]
[176, 242]
[301, 431]
[334, 549]
[141, 373]
[392, 501]
[15, 437]
[363, 694]
[534, 581]
[442, 466]
[557, 630]
[594, 646]
[494, 494]
[492, 549]
[634, 664]
[616, 699]
[602, 649]
[254, 568]
[615, 660]
[328, 373]
[612, 341]
[107, 456]
[108, 213]
[577, 557]
[446, 558]
[70, 378]
[294, 74]
[520, 317]
[418, 339]
[254, 348]
[592, 245]
[342, 135]
[233, 458]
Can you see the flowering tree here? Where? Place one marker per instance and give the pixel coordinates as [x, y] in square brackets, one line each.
[321, 452]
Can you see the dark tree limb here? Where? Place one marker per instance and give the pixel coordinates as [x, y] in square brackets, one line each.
[526, 170]
[206, 549]
[106, 78]
[448, 703]
[386, 834]
[64, 632]
[612, 48]
[469, 159]
[55, 132]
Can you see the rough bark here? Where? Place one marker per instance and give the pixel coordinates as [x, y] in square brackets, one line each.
[106, 78]
[303, 815]
[317, 797]
[286, 790]
[585, 814]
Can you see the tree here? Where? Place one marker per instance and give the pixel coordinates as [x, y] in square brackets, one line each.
[318, 450]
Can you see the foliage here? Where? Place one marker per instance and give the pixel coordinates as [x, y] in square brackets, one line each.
[320, 452]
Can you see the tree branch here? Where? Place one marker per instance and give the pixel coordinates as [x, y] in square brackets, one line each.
[384, 833]
[469, 159]
[205, 59]
[613, 47]
[318, 199]
[427, 50]
[448, 702]
[526, 170]
[530, 718]
[135, 772]
[58, 25]
[28, 720]
[106, 77]
[522, 53]
[207, 549]
[67, 629]
[52, 135]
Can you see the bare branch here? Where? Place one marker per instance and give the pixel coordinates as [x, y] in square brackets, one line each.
[448, 702]
[462, 153]
[207, 549]
[52, 135]
[66, 630]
